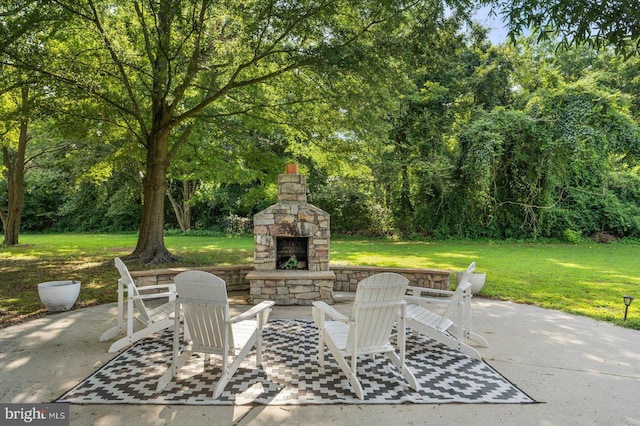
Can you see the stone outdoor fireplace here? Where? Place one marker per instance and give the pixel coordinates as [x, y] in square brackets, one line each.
[291, 248]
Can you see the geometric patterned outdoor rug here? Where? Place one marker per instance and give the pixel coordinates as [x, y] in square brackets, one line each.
[290, 375]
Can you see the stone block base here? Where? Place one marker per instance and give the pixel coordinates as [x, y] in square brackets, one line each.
[291, 287]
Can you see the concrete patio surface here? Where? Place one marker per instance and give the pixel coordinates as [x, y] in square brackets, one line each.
[583, 372]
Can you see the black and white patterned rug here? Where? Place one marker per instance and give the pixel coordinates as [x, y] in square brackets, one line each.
[290, 375]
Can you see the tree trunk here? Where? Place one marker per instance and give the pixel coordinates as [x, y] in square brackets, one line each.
[183, 213]
[404, 207]
[15, 165]
[186, 204]
[150, 247]
[177, 210]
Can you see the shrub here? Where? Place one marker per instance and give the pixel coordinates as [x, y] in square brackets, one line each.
[572, 236]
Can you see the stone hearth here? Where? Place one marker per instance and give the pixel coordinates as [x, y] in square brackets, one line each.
[291, 248]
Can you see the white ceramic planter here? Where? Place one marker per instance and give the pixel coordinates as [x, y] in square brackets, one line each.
[59, 295]
[477, 281]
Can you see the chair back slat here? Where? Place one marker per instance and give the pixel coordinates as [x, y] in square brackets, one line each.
[377, 303]
[205, 323]
[203, 297]
[461, 287]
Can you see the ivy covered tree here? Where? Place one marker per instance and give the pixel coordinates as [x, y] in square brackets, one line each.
[544, 165]
[595, 136]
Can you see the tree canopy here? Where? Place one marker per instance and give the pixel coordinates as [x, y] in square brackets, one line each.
[156, 68]
[404, 117]
[593, 22]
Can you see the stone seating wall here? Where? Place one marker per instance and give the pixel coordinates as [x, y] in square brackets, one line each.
[233, 275]
[347, 277]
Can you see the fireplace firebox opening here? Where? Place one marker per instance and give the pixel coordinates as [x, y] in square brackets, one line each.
[292, 252]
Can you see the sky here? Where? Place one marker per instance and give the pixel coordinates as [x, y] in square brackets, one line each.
[497, 33]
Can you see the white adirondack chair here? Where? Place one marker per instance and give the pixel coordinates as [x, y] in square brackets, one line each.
[452, 327]
[210, 329]
[378, 304]
[152, 319]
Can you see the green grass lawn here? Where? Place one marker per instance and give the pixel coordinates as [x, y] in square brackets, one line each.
[586, 279]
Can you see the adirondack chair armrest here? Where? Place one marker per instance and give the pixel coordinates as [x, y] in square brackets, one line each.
[425, 300]
[169, 287]
[426, 292]
[154, 295]
[331, 312]
[254, 311]
[170, 292]
[414, 299]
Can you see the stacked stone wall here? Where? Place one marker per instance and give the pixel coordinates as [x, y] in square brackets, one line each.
[346, 279]
[234, 276]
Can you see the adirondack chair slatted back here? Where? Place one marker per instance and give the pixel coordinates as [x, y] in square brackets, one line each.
[132, 290]
[204, 302]
[462, 286]
[375, 310]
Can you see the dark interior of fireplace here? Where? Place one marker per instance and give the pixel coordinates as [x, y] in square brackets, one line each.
[292, 252]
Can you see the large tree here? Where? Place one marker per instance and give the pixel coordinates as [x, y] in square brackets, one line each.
[159, 66]
[14, 138]
[23, 26]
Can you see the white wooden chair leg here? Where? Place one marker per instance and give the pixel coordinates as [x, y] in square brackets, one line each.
[230, 371]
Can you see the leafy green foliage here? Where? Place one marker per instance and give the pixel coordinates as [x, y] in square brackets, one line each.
[593, 134]
[543, 164]
[503, 173]
[572, 236]
[353, 210]
[597, 23]
[403, 123]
